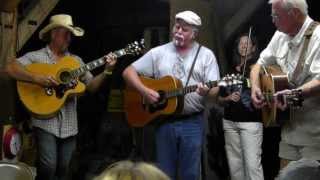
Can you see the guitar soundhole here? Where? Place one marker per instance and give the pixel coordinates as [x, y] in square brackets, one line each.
[159, 105]
[65, 77]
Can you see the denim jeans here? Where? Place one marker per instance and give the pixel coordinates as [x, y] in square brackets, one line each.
[179, 146]
[54, 155]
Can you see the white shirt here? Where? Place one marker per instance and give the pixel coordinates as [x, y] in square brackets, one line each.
[304, 129]
[164, 60]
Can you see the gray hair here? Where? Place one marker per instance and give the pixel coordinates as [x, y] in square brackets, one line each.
[301, 169]
[289, 4]
[195, 29]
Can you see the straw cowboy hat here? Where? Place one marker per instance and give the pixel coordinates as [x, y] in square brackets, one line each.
[61, 20]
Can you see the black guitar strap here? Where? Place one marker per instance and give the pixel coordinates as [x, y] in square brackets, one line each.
[193, 63]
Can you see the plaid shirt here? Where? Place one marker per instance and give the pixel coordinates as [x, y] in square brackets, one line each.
[65, 123]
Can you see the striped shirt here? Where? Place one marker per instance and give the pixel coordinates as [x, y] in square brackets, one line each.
[65, 123]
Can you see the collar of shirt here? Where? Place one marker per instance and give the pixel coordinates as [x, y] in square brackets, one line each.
[297, 39]
[50, 53]
[191, 51]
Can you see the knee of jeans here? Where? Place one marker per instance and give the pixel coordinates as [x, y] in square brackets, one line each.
[63, 167]
[62, 172]
[190, 174]
[47, 167]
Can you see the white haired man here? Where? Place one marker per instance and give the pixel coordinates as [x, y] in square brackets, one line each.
[295, 47]
[179, 139]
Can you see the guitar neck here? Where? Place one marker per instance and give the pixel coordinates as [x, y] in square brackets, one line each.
[94, 64]
[188, 89]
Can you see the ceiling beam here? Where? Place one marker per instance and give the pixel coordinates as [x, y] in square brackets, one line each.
[8, 29]
[32, 20]
[240, 17]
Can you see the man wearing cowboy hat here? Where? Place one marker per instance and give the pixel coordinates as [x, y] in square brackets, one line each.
[56, 136]
[179, 139]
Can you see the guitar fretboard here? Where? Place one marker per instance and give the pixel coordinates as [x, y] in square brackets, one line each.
[188, 89]
[94, 64]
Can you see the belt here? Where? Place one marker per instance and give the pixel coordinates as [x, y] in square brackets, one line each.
[176, 118]
[184, 116]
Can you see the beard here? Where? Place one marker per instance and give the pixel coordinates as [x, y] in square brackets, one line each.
[178, 40]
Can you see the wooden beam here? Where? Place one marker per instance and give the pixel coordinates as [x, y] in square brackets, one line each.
[240, 17]
[8, 5]
[8, 31]
[33, 20]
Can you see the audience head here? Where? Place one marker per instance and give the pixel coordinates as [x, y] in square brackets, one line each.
[128, 170]
[302, 169]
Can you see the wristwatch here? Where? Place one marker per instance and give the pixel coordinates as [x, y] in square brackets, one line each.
[107, 72]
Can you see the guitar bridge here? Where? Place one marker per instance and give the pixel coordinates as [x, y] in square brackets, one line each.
[48, 91]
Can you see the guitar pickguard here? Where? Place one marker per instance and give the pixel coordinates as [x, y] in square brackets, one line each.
[163, 102]
[61, 89]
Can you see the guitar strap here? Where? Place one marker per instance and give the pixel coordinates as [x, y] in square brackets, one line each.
[299, 67]
[301, 61]
[193, 63]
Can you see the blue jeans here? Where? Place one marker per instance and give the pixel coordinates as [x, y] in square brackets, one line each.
[54, 155]
[179, 145]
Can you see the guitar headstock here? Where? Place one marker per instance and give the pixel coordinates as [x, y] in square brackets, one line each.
[234, 80]
[135, 48]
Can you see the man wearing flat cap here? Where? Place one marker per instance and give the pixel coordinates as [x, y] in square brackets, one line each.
[179, 138]
[55, 137]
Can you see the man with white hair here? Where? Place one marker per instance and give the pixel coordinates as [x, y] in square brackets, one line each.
[56, 136]
[179, 139]
[295, 47]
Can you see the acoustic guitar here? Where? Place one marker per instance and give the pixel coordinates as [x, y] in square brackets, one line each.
[139, 112]
[45, 102]
[272, 80]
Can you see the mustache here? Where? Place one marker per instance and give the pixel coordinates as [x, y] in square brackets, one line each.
[178, 36]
